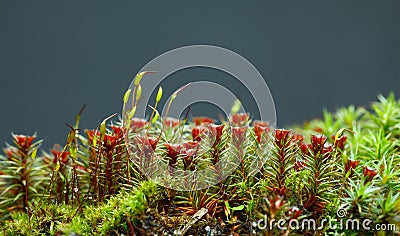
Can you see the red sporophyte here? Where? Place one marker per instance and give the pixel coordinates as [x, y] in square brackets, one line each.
[327, 150]
[297, 138]
[238, 134]
[187, 160]
[305, 148]
[281, 134]
[138, 123]
[353, 163]
[117, 130]
[202, 119]
[189, 152]
[191, 145]
[171, 122]
[24, 141]
[191, 148]
[368, 173]
[281, 137]
[218, 129]
[239, 119]
[59, 155]
[146, 141]
[91, 134]
[260, 128]
[173, 150]
[110, 141]
[340, 141]
[318, 142]
[261, 123]
[299, 165]
[350, 166]
[198, 132]
[215, 131]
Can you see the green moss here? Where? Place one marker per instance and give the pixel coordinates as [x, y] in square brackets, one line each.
[106, 219]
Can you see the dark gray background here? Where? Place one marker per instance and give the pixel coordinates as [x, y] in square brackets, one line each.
[56, 56]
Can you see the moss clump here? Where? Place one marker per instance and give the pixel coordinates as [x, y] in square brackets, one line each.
[343, 166]
[112, 217]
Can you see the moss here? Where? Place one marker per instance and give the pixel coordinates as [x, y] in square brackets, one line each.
[106, 219]
[348, 160]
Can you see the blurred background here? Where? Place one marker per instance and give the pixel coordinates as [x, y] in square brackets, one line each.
[56, 56]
